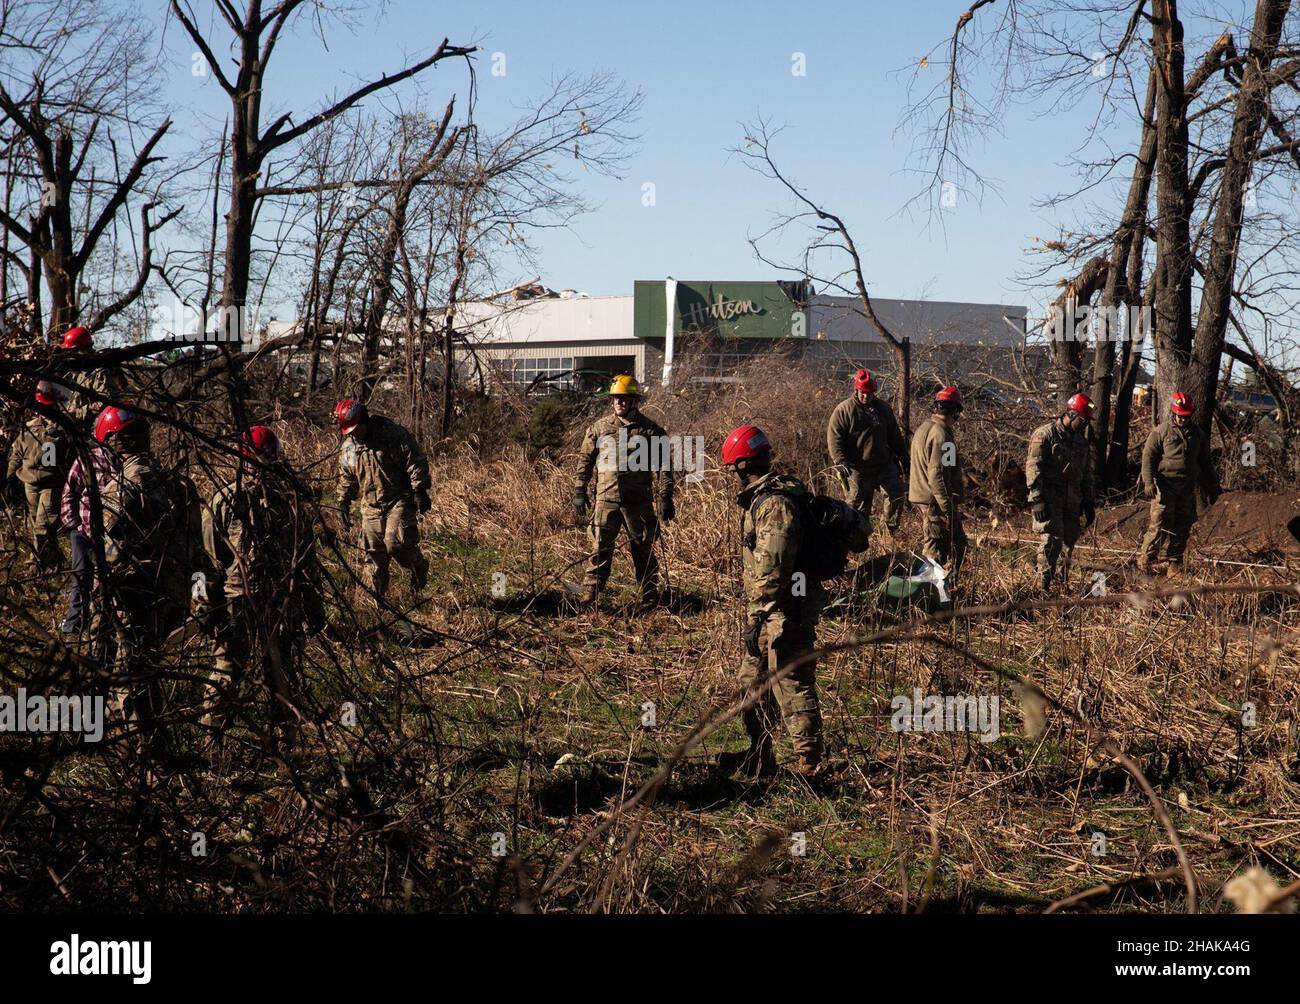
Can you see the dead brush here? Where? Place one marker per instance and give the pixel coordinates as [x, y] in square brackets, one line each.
[550, 760]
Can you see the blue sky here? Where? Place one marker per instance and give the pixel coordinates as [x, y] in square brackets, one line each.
[705, 69]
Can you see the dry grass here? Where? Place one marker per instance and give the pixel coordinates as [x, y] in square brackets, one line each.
[523, 734]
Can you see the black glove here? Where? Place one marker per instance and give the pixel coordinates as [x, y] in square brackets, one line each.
[345, 517]
[1089, 509]
[580, 505]
[1042, 514]
[750, 638]
[422, 500]
[667, 509]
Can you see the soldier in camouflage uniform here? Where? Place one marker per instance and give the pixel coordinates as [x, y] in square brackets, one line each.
[782, 609]
[105, 381]
[263, 587]
[1175, 462]
[1059, 475]
[623, 450]
[936, 482]
[866, 448]
[382, 464]
[39, 458]
[145, 532]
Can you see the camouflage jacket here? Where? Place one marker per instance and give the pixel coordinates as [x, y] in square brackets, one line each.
[1059, 467]
[627, 460]
[39, 455]
[259, 541]
[935, 465]
[864, 437]
[106, 381]
[771, 531]
[1178, 451]
[136, 503]
[387, 467]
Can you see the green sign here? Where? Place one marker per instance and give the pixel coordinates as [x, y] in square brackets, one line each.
[722, 309]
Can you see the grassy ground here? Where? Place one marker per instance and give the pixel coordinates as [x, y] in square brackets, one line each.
[507, 764]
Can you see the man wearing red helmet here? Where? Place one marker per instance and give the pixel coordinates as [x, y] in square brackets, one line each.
[147, 529]
[105, 381]
[381, 464]
[866, 448]
[1175, 463]
[936, 482]
[39, 458]
[782, 609]
[1058, 472]
[263, 586]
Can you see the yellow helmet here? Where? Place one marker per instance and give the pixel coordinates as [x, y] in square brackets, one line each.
[624, 384]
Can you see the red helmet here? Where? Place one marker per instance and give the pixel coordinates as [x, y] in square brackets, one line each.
[950, 396]
[259, 439]
[745, 443]
[864, 382]
[49, 393]
[114, 419]
[1081, 404]
[350, 414]
[1181, 404]
[77, 338]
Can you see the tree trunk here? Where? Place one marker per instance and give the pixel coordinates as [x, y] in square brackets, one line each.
[1202, 376]
[1129, 240]
[1173, 303]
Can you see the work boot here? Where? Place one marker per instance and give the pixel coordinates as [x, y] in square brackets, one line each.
[650, 599]
[1045, 583]
[1175, 570]
[815, 770]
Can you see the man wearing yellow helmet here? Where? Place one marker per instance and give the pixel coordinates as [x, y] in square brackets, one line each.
[622, 450]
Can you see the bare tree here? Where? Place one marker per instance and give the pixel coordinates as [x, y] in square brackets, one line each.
[1200, 147]
[76, 81]
[828, 233]
[254, 34]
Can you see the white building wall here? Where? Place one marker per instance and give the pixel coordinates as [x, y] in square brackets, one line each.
[582, 319]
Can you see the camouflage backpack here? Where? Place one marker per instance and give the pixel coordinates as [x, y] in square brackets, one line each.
[831, 529]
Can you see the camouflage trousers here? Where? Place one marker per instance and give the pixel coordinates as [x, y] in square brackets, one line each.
[241, 642]
[862, 487]
[1173, 514]
[642, 526]
[794, 698]
[389, 533]
[131, 639]
[1056, 539]
[945, 537]
[43, 523]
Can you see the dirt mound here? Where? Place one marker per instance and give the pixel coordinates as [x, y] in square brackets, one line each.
[1255, 523]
